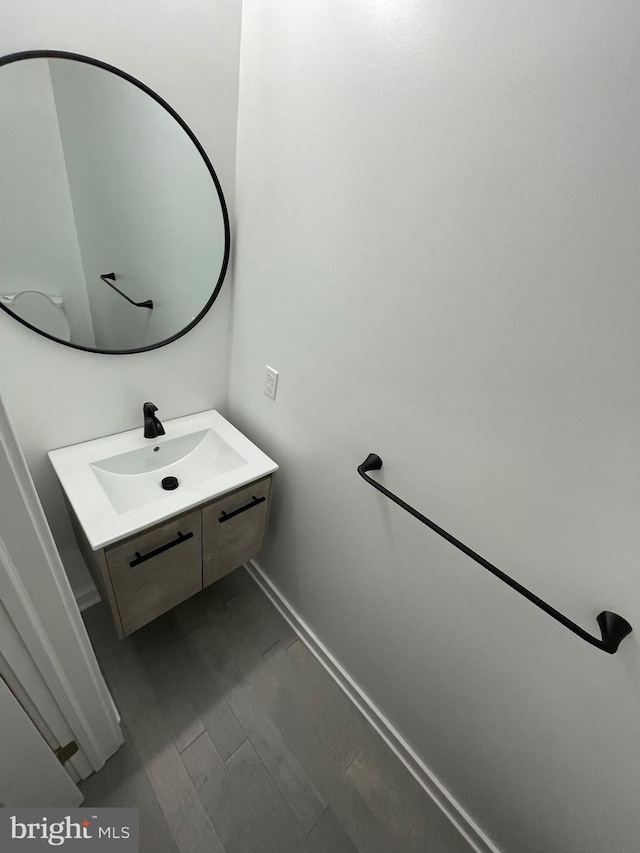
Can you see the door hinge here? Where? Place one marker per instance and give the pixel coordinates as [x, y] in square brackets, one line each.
[64, 753]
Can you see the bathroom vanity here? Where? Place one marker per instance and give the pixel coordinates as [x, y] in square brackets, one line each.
[147, 574]
[149, 548]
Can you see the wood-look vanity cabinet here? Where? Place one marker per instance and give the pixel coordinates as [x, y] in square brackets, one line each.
[156, 569]
[232, 529]
[147, 574]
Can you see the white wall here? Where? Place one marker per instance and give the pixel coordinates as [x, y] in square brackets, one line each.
[38, 239]
[437, 218]
[145, 205]
[188, 53]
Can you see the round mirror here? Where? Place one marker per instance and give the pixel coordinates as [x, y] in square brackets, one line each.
[114, 233]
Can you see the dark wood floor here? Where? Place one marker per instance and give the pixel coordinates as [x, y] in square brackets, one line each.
[238, 741]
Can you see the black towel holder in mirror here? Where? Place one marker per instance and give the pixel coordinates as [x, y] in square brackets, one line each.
[110, 277]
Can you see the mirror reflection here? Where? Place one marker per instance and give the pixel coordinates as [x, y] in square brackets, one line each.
[113, 230]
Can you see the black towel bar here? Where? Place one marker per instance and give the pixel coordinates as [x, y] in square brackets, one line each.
[612, 627]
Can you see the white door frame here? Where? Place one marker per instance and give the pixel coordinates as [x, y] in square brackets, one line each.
[21, 675]
[30, 774]
[39, 612]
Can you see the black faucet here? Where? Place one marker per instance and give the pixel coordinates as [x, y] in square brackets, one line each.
[152, 426]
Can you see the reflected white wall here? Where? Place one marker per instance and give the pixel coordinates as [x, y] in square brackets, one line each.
[38, 239]
[145, 206]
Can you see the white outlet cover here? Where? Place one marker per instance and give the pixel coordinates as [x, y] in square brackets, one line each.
[271, 382]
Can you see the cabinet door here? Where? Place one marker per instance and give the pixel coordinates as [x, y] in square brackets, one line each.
[157, 569]
[233, 529]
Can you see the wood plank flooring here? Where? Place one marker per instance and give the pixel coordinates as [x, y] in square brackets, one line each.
[238, 741]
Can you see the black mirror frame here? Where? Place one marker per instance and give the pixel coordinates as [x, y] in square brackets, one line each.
[78, 57]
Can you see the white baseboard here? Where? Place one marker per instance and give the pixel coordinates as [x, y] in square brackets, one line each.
[463, 822]
[87, 598]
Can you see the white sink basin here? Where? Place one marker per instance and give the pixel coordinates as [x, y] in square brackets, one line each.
[114, 484]
[134, 478]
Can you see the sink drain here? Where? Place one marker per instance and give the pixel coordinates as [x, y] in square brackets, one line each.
[169, 483]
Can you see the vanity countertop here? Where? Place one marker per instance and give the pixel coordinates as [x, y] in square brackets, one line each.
[114, 484]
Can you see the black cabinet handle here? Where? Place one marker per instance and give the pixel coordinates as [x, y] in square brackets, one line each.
[227, 515]
[142, 558]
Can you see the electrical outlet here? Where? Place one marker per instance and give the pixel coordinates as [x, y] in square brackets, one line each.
[271, 382]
